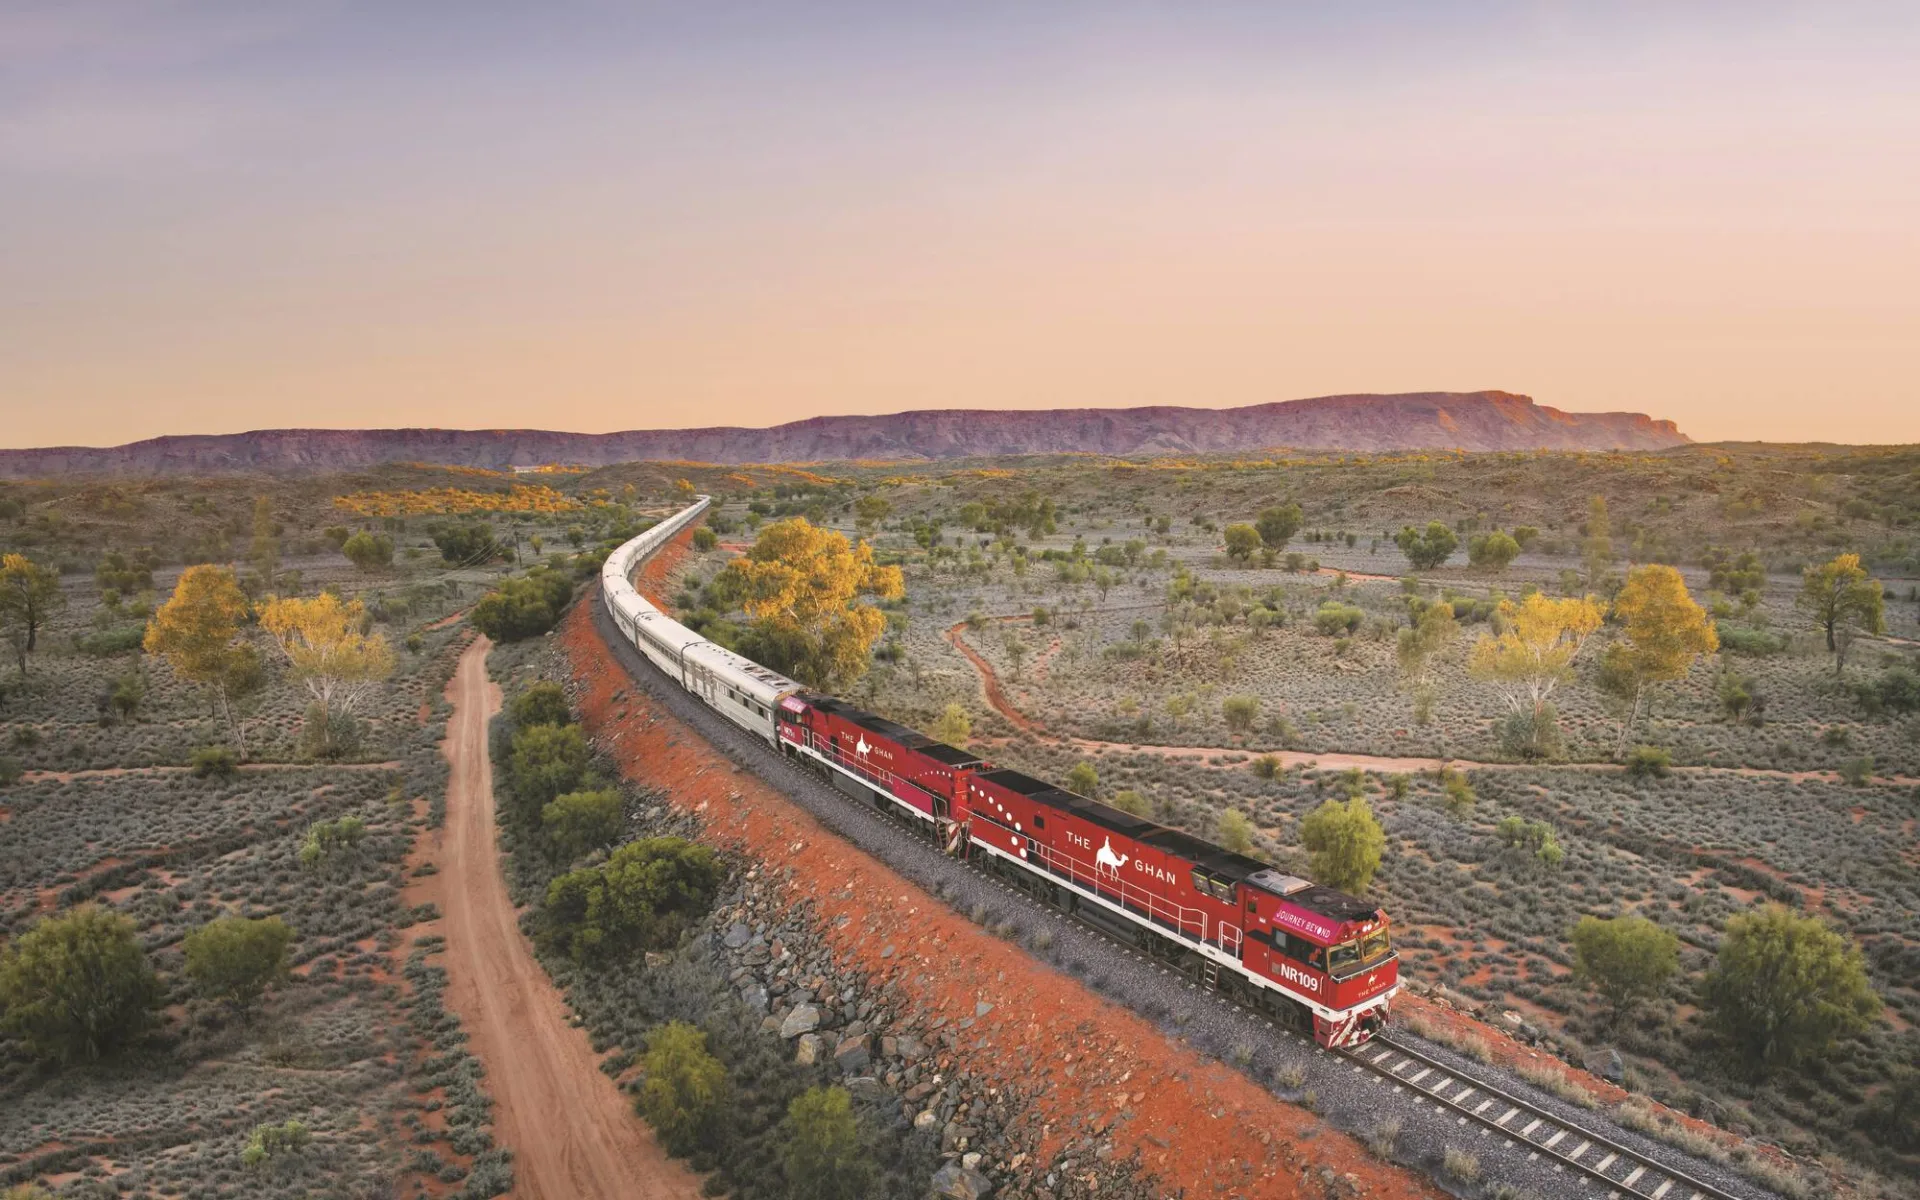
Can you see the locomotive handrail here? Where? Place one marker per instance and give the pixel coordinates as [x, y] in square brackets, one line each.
[867, 771]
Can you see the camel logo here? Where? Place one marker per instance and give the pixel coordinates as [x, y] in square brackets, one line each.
[1106, 860]
[860, 747]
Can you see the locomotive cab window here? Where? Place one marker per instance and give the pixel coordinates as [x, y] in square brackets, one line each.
[1374, 947]
[1359, 953]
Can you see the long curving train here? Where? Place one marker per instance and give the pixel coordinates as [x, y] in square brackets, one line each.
[1307, 954]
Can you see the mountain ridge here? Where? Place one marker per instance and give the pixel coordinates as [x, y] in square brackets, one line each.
[1476, 421]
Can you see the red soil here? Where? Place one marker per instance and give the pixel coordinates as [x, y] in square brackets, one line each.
[1196, 1124]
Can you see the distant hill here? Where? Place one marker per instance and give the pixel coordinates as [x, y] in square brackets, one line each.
[1413, 421]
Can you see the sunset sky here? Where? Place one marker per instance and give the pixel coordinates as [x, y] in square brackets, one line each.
[598, 216]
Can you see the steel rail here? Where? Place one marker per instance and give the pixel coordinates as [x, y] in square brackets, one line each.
[1533, 1126]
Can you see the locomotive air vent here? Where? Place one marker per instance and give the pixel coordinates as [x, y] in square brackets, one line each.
[1278, 884]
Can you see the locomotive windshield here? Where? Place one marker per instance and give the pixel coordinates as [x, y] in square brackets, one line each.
[1359, 953]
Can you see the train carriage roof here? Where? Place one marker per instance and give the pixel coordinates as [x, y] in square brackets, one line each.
[1218, 862]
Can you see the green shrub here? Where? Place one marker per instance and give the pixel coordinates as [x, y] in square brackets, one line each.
[330, 733]
[577, 822]
[213, 762]
[1784, 987]
[106, 642]
[1333, 617]
[368, 551]
[271, 1144]
[10, 771]
[1266, 766]
[1236, 831]
[1649, 762]
[1897, 690]
[684, 1087]
[327, 840]
[1428, 548]
[705, 539]
[644, 897]
[1083, 780]
[541, 704]
[1239, 712]
[76, 986]
[235, 959]
[823, 1159]
[1740, 639]
[524, 607]
[1531, 735]
[1626, 959]
[544, 762]
[1344, 843]
[467, 543]
[1858, 770]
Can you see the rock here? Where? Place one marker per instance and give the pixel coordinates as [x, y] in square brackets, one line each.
[1614, 1071]
[852, 1054]
[926, 1120]
[657, 961]
[808, 1049]
[970, 1160]
[804, 1018]
[959, 1183]
[737, 936]
[982, 1009]
[754, 997]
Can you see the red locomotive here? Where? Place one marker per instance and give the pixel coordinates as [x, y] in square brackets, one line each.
[1307, 953]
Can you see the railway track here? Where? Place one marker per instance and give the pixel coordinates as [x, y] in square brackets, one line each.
[1621, 1169]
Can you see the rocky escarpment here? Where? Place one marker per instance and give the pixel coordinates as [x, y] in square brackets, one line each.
[1413, 421]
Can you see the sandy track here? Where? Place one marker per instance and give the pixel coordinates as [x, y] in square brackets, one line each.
[571, 1132]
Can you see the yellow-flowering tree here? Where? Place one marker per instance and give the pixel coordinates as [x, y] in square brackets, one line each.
[322, 640]
[29, 593]
[1665, 632]
[802, 585]
[1535, 651]
[198, 632]
[1842, 600]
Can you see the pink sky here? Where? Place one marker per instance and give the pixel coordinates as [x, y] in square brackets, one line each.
[213, 219]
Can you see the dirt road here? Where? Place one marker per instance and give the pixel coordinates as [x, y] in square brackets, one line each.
[571, 1132]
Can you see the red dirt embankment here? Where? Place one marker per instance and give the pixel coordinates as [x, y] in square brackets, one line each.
[571, 1132]
[1196, 1124]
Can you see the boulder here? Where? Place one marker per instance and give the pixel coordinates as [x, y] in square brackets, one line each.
[805, 1018]
[737, 936]
[852, 1054]
[808, 1049]
[956, 1182]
